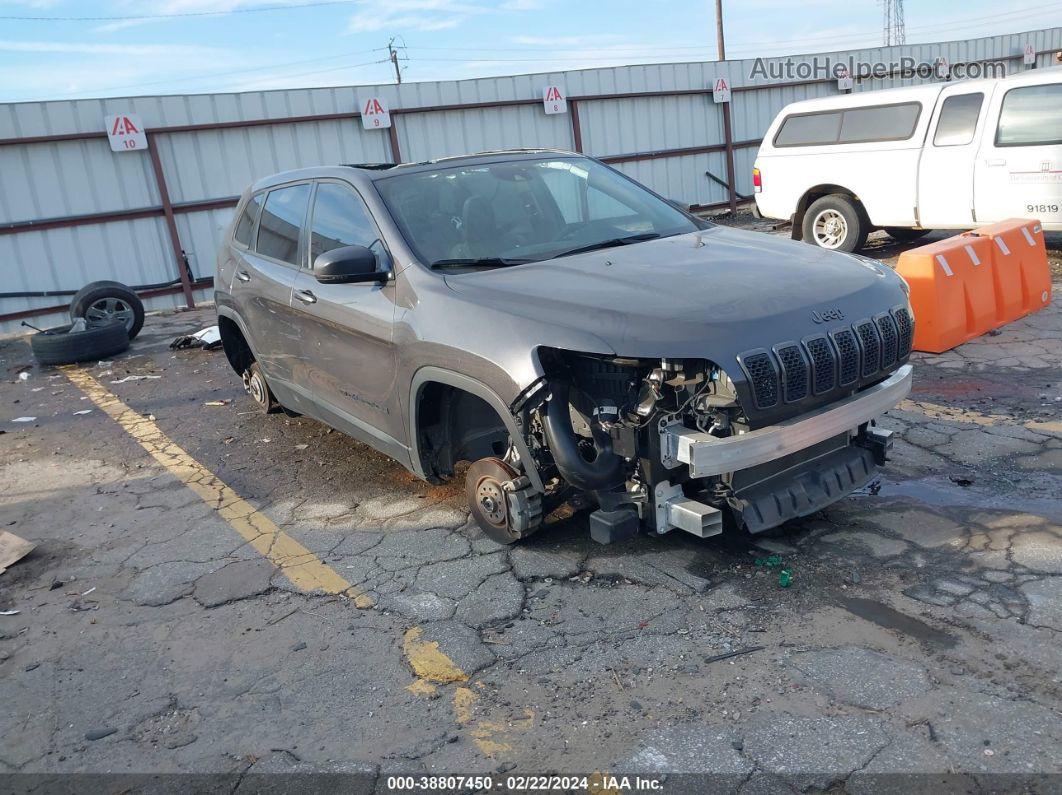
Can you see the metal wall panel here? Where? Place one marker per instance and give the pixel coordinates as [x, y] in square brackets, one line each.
[43, 181]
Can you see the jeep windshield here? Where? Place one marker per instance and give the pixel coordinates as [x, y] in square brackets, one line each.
[518, 211]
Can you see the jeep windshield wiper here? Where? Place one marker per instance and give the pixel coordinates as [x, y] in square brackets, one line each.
[611, 243]
[478, 262]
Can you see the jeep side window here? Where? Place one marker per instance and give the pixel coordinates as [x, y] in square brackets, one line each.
[958, 120]
[282, 217]
[245, 225]
[1031, 116]
[339, 218]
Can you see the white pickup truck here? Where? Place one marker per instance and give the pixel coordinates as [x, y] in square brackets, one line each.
[907, 160]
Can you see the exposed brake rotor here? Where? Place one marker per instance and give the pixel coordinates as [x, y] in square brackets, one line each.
[502, 501]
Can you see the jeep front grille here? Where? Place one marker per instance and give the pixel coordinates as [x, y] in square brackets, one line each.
[822, 363]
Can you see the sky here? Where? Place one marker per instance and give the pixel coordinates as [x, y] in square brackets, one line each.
[73, 49]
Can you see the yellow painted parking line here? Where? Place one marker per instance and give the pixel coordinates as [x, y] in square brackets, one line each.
[431, 666]
[303, 568]
[936, 411]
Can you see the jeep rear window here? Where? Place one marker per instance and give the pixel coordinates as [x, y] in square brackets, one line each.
[245, 225]
[850, 125]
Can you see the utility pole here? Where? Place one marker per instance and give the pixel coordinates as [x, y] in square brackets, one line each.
[719, 46]
[392, 54]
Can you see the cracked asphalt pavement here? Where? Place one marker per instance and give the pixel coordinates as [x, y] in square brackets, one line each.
[162, 630]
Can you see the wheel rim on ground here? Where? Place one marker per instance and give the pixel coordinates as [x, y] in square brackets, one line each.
[487, 499]
[256, 388]
[831, 229]
[110, 310]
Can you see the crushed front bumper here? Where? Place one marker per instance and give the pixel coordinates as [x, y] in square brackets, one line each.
[708, 455]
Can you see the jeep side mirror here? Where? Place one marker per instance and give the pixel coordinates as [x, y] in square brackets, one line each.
[348, 265]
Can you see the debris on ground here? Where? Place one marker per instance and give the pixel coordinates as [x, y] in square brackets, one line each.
[217, 402]
[785, 577]
[135, 378]
[9, 612]
[24, 419]
[82, 412]
[729, 654]
[13, 549]
[208, 339]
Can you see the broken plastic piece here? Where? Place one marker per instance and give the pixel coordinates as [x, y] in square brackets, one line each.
[785, 576]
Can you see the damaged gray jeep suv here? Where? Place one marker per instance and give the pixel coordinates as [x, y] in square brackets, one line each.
[571, 335]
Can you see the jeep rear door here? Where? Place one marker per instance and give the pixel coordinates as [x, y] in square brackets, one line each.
[1019, 167]
[346, 357]
[263, 279]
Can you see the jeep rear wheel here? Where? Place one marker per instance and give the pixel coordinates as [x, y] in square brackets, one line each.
[835, 222]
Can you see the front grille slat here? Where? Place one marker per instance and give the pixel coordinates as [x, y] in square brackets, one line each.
[848, 355]
[889, 339]
[871, 344]
[760, 369]
[823, 368]
[906, 331]
[794, 372]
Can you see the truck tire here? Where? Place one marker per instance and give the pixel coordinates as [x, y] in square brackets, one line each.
[58, 346]
[835, 222]
[905, 234]
[104, 302]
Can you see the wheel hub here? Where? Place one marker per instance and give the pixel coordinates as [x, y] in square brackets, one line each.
[501, 501]
[110, 310]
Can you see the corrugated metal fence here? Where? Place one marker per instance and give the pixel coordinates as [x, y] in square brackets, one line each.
[72, 211]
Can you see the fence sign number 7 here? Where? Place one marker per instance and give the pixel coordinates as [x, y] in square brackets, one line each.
[125, 132]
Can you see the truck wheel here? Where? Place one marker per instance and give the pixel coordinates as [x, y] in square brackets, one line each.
[104, 302]
[255, 384]
[834, 222]
[905, 234]
[61, 346]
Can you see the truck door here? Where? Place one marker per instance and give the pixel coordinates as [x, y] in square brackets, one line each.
[946, 169]
[1019, 168]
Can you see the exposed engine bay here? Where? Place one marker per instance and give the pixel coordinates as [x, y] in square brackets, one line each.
[618, 432]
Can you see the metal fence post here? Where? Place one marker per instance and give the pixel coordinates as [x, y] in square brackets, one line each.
[171, 221]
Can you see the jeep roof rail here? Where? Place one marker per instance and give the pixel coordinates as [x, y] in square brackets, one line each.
[372, 166]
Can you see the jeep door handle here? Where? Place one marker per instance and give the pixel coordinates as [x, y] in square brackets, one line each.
[306, 296]
[243, 276]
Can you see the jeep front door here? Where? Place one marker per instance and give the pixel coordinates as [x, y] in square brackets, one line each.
[347, 357]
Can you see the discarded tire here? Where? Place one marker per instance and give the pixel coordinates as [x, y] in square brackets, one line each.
[60, 346]
[104, 302]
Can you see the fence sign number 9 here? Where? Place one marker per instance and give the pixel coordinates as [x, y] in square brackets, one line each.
[374, 114]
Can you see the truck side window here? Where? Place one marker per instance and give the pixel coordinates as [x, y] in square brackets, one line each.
[1031, 116]
[881, 123]
[958, 120]
[282, 217]
[339, 219]
[242, 235]
[809, 129]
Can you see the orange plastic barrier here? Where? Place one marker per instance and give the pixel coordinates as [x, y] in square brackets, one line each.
[1019, 263]
[969, 284]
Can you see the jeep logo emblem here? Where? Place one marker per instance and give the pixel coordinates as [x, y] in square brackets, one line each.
[826, 315]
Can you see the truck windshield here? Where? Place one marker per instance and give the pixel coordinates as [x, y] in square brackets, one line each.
[517, 211]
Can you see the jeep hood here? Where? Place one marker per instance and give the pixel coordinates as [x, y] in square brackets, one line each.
[710, 294]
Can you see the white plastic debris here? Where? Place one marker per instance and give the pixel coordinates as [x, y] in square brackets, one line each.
[24, 419]
[134, 378]
[23, 376]
[9, 612]
[207, 339]
[83, 411]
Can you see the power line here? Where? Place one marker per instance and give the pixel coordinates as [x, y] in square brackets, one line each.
[177, 14]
